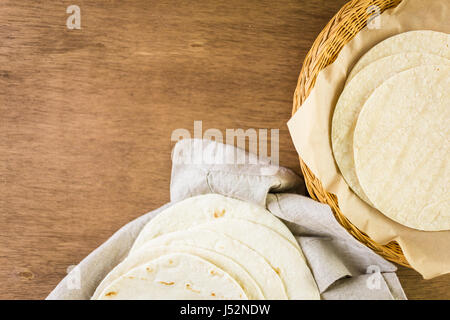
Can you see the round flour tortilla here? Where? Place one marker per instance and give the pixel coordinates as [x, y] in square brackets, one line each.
[200, 209]
[352, 99]
[149, 253]
[174, 276]
[423, 41]
[283, 257]
[256, 265]
[401, 148]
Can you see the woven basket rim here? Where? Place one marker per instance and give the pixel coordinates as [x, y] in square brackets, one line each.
[347, 22]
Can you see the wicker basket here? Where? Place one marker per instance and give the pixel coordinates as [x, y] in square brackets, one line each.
[340, 30]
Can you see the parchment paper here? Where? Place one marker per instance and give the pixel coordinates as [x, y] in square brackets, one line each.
[342, 267]
[427, 252]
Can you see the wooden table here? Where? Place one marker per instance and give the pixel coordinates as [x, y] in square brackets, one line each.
[87, 115]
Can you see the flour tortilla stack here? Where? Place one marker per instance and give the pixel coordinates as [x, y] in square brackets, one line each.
[255, 264]
[352, 99]
[402, 146]
[242, 240]
[151, 252]
[423, 41]
[164, 278]
[287, 261]
[206, 208]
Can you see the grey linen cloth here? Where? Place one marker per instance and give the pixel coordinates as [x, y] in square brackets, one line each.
[342, 267]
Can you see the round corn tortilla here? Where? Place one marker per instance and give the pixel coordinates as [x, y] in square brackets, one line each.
[200, 209]
[256, 265]
[423, 41]
[149, 253]
[352, 99]
[174, 276]
[401, 148]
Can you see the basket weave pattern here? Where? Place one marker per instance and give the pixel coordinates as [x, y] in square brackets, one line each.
[340, 30]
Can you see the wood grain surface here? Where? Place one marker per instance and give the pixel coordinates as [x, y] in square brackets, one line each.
[86, 115]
